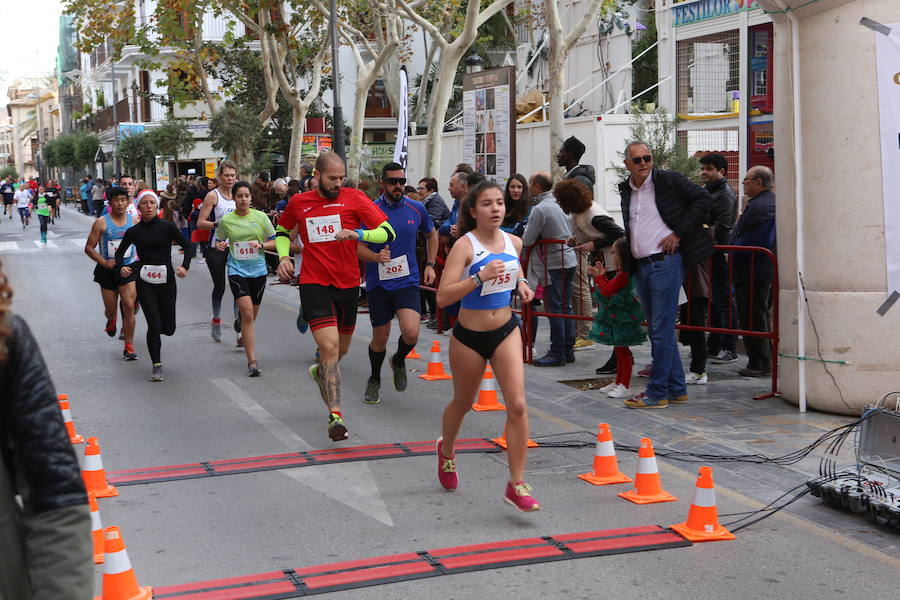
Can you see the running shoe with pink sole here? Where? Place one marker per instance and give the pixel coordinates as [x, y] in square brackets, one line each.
[519, 496]
[447, 474]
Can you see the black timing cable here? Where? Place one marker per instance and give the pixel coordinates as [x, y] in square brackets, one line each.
[833, 439]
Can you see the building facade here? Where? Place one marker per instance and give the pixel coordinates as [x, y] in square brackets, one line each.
[33, 112]
[715, 68]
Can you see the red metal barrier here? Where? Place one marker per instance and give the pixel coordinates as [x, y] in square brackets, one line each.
[549, 246]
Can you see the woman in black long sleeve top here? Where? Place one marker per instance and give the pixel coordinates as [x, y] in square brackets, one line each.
[156, 288]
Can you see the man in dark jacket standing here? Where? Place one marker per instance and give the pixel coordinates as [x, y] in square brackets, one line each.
[723, 313]
[568, 158]
[753, 278]
[569, 155]
[664, 215]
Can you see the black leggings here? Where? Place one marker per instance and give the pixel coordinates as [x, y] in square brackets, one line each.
[695, 339]
[44, 219]
[158, 302]
[215, 262]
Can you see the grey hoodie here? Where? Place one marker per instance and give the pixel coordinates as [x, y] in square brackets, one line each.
[583, 173]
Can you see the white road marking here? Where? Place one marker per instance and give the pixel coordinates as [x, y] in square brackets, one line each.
[80, 242]
[49, 244]
[349, 483]
[8, 246]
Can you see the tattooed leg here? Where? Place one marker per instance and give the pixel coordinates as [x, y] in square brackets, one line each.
[331, 384]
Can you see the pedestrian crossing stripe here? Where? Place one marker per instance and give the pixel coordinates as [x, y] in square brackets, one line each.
[26, 245]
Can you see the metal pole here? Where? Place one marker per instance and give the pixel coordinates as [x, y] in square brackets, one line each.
[115, 111]
[338, 116]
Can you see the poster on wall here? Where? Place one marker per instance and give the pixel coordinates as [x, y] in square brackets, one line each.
[887, 48]
[489, 124]
[162, 172]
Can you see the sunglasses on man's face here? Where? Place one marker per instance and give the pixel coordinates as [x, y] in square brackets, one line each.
[638, 159]
[395, 180]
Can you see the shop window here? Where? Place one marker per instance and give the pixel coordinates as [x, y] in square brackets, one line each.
[708, 70]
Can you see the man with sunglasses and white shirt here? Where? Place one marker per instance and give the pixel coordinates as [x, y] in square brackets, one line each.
[664, 215]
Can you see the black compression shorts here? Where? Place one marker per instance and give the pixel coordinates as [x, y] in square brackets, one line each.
[328, 306]
[111, 279]
[254, 287]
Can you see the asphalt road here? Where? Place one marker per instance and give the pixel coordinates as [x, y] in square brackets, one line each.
[208, 409]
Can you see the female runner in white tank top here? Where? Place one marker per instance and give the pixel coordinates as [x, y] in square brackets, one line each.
[483, 271]
[216, 205]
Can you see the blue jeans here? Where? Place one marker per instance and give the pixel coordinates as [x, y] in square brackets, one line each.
[558, 299]
[657, 286]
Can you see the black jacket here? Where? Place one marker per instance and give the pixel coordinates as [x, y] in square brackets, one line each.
[683, 206]
[724, 211]
[756, 227]
[33, 437]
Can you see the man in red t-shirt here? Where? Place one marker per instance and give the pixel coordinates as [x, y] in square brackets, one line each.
[330, 220]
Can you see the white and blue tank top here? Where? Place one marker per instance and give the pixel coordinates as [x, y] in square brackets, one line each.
[497, 292]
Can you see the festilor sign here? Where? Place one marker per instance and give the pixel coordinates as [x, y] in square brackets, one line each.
[689, 12]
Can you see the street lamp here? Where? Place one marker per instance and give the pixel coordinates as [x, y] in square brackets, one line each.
[474, 63]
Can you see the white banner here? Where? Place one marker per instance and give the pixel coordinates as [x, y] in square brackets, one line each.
[888, 60]
[400, 146]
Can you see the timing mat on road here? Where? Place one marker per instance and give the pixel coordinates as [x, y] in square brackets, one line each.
[307, 581]
[290, 460]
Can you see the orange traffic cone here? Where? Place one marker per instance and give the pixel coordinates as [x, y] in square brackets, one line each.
[413, 354]
[67, 418]
[93, 473]
[606, 468]
[119, 580]
[501, 441]
[647, 485]
[96, 529]
[487, 393]
[435, 370]
[702, 523]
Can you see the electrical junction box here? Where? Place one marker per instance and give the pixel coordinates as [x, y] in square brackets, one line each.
[872, 486]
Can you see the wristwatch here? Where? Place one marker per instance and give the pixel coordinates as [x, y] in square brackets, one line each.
[430, 264]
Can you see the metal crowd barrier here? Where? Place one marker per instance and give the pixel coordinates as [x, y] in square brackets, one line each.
[547, 247]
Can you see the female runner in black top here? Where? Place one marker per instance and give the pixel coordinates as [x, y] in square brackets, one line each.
[156, 288]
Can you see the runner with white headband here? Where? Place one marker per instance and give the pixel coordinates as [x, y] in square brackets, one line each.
[156, 290]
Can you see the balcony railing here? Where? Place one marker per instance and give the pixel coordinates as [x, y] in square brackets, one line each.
[112, 115]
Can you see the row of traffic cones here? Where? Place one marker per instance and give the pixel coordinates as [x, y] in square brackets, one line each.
[119, 579]
[702, 524]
